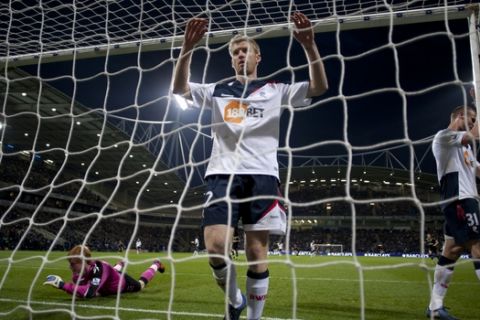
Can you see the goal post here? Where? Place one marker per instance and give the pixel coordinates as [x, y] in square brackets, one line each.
[329, 248]
[473, 25]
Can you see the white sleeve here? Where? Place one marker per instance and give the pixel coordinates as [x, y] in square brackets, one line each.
[201, 94]
[295, 94]
[449, 138]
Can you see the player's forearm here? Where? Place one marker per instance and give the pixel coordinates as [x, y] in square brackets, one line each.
[318, 78]
[471, 135]
[474, 132]
[80, 290]
[182, 71]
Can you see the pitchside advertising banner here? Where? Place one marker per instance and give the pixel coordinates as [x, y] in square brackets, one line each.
[361, 254]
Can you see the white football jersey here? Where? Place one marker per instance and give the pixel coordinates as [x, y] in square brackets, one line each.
[456, 165]
[245, 123]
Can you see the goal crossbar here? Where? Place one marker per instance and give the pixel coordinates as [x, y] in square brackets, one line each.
[329, 247]
[330, 24]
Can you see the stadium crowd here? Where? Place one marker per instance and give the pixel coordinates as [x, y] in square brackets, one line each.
[367, 240]
[317, 195]
[111, 235]
[109, 232]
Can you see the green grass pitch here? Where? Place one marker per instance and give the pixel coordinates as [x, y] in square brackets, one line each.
[300, 287]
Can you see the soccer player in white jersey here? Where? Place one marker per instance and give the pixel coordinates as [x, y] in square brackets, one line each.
[138, 245]
[243, 162]
[457, 168]
[196, 246]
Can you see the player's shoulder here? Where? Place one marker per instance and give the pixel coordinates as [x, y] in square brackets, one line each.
[444, 132]
[96, 267]
[236, 89]
[447, 133]
[195, 86]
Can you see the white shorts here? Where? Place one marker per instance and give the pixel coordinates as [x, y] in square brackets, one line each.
[274, 220]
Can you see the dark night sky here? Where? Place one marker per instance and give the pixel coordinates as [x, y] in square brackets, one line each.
[376, 118]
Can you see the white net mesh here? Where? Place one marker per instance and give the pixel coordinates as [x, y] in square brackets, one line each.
[95, 151]
[59, 27]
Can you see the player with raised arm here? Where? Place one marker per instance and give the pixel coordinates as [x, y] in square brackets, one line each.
[243, 162]
[92, 278]
[457, 169]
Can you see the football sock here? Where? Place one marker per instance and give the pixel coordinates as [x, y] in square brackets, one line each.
[220, 273]
[442, 277]
[149, 273]
[257, 289]
[476, 265]
[118, 266]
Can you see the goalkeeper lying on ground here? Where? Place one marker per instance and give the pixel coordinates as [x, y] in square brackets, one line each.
[99, 278]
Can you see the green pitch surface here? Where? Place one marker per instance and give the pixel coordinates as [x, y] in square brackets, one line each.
[303, 288]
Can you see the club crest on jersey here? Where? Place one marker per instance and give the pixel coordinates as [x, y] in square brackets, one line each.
[236, 111]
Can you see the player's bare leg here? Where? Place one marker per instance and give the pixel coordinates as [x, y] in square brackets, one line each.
[218, 241]
[442, 276]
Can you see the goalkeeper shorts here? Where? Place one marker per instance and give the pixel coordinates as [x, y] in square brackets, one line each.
[131, 285]
[259, 214]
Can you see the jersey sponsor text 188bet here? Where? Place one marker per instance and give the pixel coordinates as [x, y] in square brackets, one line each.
[245, 123]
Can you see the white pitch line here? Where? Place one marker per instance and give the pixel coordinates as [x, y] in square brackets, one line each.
[297, 278]
[30, 267]
[335, 279]
[77, 305]
[372, 280]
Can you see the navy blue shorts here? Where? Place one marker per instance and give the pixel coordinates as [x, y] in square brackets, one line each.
[259, 214]
[462, 221]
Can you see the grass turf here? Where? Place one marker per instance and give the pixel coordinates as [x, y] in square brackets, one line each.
[300, 287]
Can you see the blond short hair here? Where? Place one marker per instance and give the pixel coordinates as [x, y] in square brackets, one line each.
[239, 38]
[82, 251]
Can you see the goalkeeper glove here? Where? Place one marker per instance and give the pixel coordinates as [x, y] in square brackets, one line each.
[54, 281]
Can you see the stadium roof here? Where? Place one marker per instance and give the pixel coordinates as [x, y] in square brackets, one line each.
[43, 122]
[85, 145]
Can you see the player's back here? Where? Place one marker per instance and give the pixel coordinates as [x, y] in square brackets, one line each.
[102, 276]
[110, 280]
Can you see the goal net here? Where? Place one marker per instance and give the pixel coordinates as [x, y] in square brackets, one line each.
[329, 249]
[95, 149]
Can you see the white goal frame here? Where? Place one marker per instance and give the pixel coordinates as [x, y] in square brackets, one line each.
[333, 23]
[327, 246]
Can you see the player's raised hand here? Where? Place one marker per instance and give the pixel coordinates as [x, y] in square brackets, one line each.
[303, 31]
[194, 32]
[54, 281]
